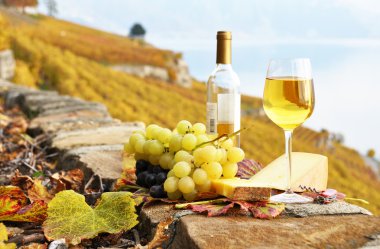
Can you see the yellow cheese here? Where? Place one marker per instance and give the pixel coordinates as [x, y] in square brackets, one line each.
[308, 169]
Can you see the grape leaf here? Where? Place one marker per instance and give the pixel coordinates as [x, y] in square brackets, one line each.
[70, 218]
[248, 168]
[35, 212]
[212, 209]
[267, 211]
[11, 200]
[4, 238]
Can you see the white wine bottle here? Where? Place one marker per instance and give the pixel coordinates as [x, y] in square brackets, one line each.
[223, 92]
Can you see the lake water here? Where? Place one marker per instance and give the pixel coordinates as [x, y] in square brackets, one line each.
[346, 81]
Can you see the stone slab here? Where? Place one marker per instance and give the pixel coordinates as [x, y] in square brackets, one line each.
[339, 207]
[15, 95]
[80, 107]
[350, 231]
[97, 136]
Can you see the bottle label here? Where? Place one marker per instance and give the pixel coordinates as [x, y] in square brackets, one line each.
[229, 109]
[211, 117]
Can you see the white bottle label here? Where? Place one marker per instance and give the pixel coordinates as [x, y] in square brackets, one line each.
[229, 109]
[212, 117]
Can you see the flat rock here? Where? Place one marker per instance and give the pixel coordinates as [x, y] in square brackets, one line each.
[97, 136]
[339, 207]
[15, 95]
[104, 161]
[349, 231]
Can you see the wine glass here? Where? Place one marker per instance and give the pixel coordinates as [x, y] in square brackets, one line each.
[288, 101]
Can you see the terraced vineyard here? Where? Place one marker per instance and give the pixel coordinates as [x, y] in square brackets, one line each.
[48, 60]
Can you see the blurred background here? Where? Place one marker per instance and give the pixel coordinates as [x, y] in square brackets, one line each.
[149, 60]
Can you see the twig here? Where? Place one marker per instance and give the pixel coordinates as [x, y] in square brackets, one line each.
[101, 184]
[136, 236]
[29, 166]
[25, 239]
[89, 182]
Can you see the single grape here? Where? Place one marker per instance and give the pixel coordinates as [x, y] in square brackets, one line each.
[190, 196]
[202, 138]
[183, 156]
[141, 166]
[147, 147]
[171, 184]
[156, 148]
[128, 148]
[230, 170]
[214, 170]
[157, 169]
[170, 173]
[175, 195]
[134, 137]
[206, 187]
[200, 176]
[227, 144]
[221, 156]
[141, 179]
[151, 131]
[165, 160]
[199, 128]
[165, 135]
[141, 156]
[235, 155]
[171, 164]
[150, 167]
[182, 169]
[175, 143]
[142, 132]
[189, 141]
[150, 180]
[186, 185]
[208, 154]
[157, 191]
[154, 160]
[183, 127]
[139, 145]
[160, 178]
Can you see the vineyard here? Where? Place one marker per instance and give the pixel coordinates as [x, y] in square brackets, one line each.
[53, 54]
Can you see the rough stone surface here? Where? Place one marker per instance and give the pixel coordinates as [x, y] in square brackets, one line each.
[374, 242]
[340, 207]
[98, 136]
[103, 161]
[197, 231]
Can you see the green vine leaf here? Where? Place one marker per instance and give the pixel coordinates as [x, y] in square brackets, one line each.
[71, 218]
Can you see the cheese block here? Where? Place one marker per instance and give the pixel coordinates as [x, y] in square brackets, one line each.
[310, 170]
[240, 189]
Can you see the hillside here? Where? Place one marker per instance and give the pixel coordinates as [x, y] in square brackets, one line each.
[47, 60]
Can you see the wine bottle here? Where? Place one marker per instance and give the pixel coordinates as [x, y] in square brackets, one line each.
[223, 92]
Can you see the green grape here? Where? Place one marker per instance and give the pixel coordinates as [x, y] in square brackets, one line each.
[175, 195]
[139, 156]
[186, 185]
[221, 156]
[128, 148]
[147, 146]
[165, 160]
[171, 164]
[200, 176]
[151, 131]
[154, 159]
[171, 184]
[139, 132]
[170, 173]
[227, 144]
[235, 155]
[208, 154]
[165, 135]
[199, 128]
[206, 187]
[156, 148]
[202, 138]
[175, 143]
[134, 137]
[139, 145]
[214, 170]
[182, 169]
[183, 127]
[190, 196]
[230, 170]
[182, 156]
[189, 141]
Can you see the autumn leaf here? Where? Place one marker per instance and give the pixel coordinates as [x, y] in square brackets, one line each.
[70, 218]
[4, 238]
[35, 212]
[34, 188]
[128, 175]
[11, 200]
[248, 168]
[34, 246]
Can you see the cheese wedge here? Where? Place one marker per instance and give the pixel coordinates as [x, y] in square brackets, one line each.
[310, 170]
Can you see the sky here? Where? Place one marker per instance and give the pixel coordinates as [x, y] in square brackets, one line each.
[341, 37]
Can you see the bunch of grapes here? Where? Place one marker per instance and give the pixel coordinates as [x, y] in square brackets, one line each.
[188, 156]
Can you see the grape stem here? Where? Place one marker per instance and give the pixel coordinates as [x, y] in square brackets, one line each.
[226, 136]
[358, 200]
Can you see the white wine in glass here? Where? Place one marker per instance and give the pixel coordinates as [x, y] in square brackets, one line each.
[289, 101]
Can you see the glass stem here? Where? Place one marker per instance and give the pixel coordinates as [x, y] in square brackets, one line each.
[288, 157]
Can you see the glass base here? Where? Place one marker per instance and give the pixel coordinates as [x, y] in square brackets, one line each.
[290, 198]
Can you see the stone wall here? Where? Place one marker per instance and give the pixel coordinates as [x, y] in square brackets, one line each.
[7, 64]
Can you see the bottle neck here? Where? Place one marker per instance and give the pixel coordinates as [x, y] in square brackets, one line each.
[223, 51]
